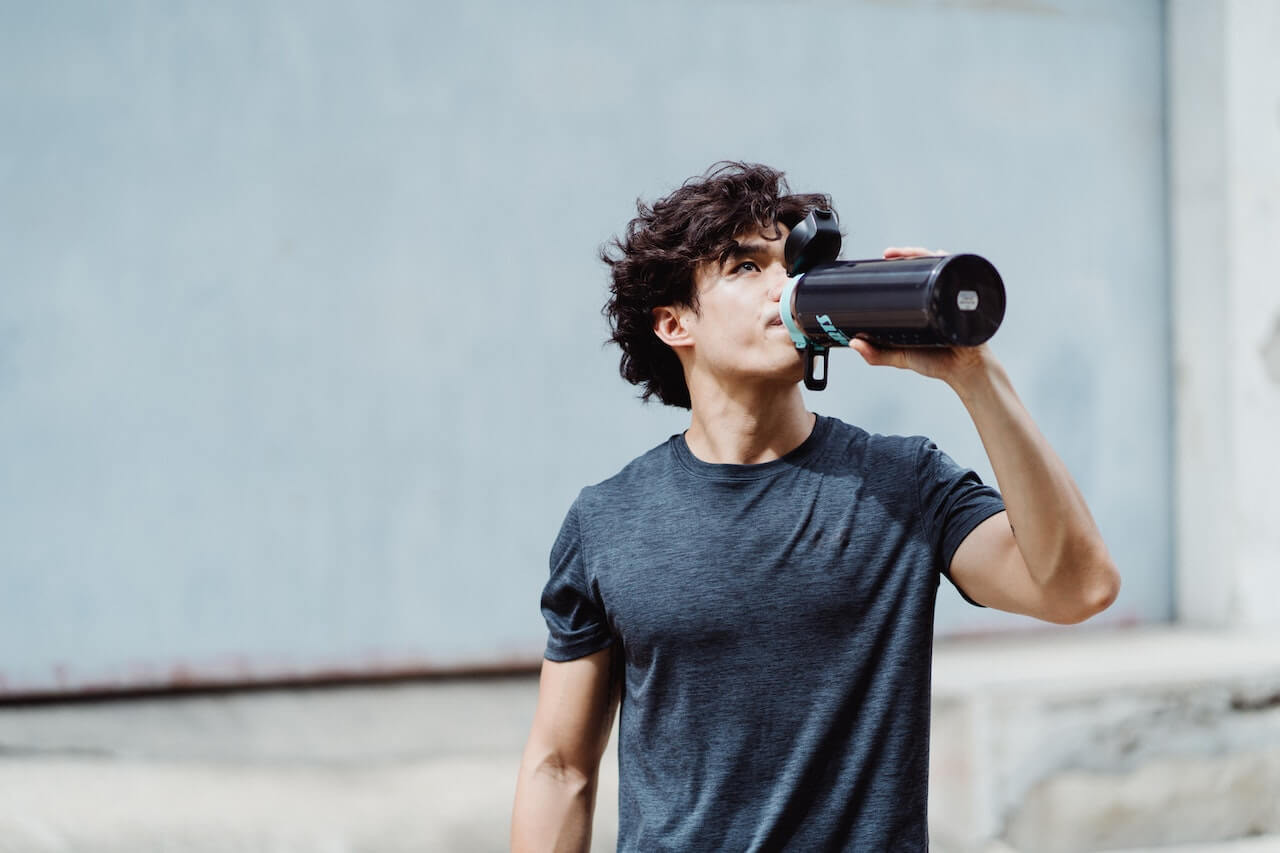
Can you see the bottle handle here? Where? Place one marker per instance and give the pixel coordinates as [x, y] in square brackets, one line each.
[815, 367]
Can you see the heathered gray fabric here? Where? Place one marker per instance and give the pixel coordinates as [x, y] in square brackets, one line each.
[776, 624]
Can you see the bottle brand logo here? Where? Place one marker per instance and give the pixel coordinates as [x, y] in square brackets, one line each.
[824, 320]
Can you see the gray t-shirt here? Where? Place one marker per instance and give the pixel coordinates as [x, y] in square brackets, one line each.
[775, 623]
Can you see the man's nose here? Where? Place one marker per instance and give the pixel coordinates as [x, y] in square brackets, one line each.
[777, 282]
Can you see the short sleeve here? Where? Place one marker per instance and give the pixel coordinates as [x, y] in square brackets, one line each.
[953, 501]
[576, 622]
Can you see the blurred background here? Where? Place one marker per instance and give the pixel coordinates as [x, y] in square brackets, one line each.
[302, 363]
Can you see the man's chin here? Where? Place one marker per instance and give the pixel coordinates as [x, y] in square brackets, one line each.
[797, 364]
[795, 372]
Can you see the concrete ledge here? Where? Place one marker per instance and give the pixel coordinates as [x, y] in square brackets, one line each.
[387, 768]
[1068, 740]
[1076, 660]
[1088, 740]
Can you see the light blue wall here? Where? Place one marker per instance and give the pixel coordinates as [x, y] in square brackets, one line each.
[301, 357]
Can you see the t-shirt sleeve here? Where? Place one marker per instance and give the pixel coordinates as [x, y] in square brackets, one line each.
[953, 501]
[576, 622]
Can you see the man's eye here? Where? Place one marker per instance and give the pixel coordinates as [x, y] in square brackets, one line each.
[746, 266]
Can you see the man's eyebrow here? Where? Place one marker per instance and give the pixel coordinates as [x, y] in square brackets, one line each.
[756, 248]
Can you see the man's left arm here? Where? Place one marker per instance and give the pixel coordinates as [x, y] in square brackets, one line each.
[1056, 567]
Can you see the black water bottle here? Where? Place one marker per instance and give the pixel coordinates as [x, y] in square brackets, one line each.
[939, 301]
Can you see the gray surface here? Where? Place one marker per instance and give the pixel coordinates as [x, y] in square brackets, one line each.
[433, 766]
[300, 355]
[391, 768]
[322, 726]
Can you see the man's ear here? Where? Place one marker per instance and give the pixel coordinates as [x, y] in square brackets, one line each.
[670, 326]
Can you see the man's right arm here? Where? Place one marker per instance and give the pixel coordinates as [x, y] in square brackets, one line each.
[556, 790]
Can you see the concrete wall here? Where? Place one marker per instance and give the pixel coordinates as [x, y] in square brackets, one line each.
[1105, 741]
[1163, 737]
[1224, 84]
[300, 352]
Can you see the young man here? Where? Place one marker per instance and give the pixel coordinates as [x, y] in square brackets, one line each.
[758, 592]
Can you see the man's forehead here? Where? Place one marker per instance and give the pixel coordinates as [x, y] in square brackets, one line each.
[769, 239]
[762, 233]
[756, 237]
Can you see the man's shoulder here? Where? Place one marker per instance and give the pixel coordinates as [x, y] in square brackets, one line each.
[848, 441]
[639, 476]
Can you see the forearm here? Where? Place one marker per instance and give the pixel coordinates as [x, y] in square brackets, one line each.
[1054, 530]
[553, 808]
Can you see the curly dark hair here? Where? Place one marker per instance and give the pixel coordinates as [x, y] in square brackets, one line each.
[653, 264]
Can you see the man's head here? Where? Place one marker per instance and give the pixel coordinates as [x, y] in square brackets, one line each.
[695, 238]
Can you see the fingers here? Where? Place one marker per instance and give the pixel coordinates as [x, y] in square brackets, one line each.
[878, 356]
[912, 252]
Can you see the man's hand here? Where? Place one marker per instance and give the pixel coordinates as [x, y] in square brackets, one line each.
[950, 364]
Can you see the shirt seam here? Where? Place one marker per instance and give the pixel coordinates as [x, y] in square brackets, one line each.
[741, 476]
[580, 519]
[915, 472]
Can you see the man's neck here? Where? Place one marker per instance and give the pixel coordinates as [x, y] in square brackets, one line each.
[748, 426]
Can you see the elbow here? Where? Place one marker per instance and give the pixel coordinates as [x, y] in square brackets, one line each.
[1094, 596]
[569, 777]
[553, 767]
[1109, 589]
[553, 805]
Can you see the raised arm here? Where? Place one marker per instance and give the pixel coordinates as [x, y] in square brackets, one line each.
[1056, 567]
[556, 789]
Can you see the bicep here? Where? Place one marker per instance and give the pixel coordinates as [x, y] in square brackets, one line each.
[991, 570]
[577, 700]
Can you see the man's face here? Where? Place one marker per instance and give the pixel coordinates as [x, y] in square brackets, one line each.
[736, 332]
